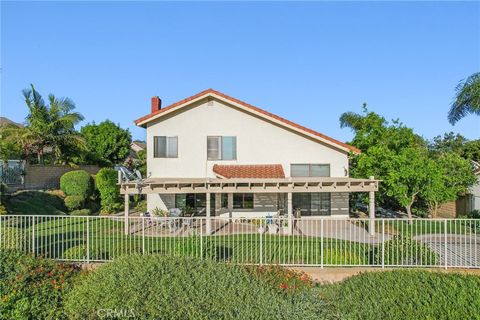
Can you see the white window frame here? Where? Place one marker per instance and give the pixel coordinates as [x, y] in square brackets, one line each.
[310, 168]
[219, 156]
[167, 147]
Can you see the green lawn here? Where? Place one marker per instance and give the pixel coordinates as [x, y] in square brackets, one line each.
[424, 226]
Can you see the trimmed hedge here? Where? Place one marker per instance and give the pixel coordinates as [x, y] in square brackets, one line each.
[81, 212]
[74, 202]
[75, 253]
[32, 288]
[403, 250]
[77, 183]
[106, 181]
[405, 294]
[159, 287]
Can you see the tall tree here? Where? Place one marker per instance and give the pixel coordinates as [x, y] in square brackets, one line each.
[401, 159]
[449, 176]
[51, 127]
[108, 143]
[467, 99]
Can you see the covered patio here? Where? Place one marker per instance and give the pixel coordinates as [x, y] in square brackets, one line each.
[215, 187]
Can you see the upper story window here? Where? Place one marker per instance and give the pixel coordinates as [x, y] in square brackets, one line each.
[165, 147]
[221, 148]
[310, 170]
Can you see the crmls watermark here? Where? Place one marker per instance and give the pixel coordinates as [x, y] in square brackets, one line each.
[115, 313]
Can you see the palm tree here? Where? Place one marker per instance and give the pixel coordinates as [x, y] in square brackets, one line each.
[51, 127]
[467, 99]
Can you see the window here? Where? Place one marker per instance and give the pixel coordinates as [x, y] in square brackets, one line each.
[312, 204]
[221, 148]
[310, 170]
[189, 203]
[243, 200]
[165, 147]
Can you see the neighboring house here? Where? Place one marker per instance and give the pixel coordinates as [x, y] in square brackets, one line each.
[471, 201]
[214, 155]
[466, 203]
[138, 145]
[135, 147]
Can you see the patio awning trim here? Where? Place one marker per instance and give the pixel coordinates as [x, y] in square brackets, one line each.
[215, 185]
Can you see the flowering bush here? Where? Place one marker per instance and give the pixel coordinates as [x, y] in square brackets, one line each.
[32, 288]
[285, 280]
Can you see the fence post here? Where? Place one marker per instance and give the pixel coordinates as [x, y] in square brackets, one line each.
[383, 243]
[33, 235]
[261, 247]
[321, 243]
[1, 219]
[445, 235]
[143, 235]
[201, 241]
[88, 240]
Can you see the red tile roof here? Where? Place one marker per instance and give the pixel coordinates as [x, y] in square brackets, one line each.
[249, 106]
[249, 171]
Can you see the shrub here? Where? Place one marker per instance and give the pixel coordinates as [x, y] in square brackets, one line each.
[285, 280]
[402, 250]
[32, 288]
[141, 206]
[3, 210]
[74, 202]
[75, 253]
[15, 239]
[77, 183]
[475, 214]
[3, 192]
[405, 294]
[81, 212]
[161, 287]
[106, 181]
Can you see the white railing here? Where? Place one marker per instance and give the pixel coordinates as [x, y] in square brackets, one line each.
[321, 242]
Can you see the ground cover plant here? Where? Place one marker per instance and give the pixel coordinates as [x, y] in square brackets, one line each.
[405, 294]
[35, 202]
[32, 288]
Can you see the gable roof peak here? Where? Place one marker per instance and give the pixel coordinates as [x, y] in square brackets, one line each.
[250, 108]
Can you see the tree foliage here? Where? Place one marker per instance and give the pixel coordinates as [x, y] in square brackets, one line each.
[108, 143]
[455, 143]
[106, 181]
[400, 158]
[467, 99]
[50, 128]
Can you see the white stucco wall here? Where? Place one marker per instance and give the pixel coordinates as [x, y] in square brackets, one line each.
[475, 191]
[258, 142]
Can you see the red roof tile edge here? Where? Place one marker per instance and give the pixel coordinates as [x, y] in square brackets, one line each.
[250, 171]
[268, 114]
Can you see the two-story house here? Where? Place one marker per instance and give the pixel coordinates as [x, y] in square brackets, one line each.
[212, 154]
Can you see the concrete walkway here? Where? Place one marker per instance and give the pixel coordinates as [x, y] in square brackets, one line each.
[332, 275]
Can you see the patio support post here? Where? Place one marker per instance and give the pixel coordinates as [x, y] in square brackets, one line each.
[208, 225]
[290, 213]
[127, 200]
[371, 210]
[230, 204]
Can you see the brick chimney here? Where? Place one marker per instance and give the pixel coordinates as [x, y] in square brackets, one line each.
[156, 104]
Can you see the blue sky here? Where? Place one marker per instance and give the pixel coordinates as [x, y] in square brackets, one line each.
[308, 62]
